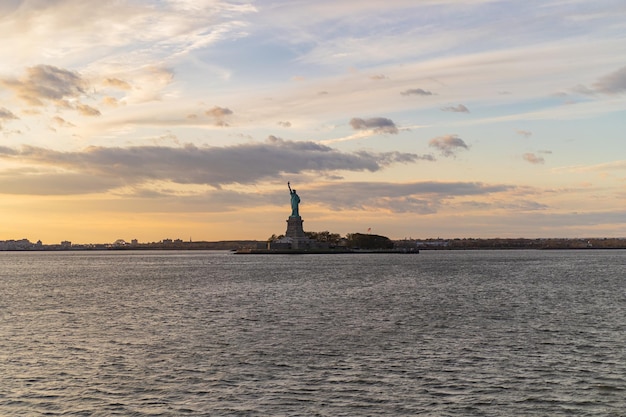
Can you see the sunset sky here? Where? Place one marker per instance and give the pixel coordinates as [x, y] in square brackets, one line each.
[185, 119]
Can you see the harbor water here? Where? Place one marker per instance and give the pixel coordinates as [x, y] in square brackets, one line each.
[442, 333]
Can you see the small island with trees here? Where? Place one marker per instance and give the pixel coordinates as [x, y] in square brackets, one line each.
[329, 243]
[296, 240]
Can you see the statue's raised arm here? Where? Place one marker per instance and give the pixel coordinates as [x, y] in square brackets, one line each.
[295, 200]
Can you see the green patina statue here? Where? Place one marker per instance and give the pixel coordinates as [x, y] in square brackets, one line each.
[295, 200]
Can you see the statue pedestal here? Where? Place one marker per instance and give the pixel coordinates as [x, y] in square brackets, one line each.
[294, 227]
[296, 233]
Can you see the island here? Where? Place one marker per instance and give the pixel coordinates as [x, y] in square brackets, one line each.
[297, 241]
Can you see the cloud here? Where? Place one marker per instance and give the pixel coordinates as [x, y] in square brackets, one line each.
[61, 122]
[110, 101]
[46, 84]
[422, 198]
[603, 167]
[86, 110]
[376, 124]
[6, 114]
[378, 77]
[416, 92]
[50, 182]
[43, 83]
[117, 84]
[216, 166]
[533, 158]
[218, 114]
[122, 33]
[612, 83]
[456, 109]
[579, 89]
[448, 145]
[425, 197]
[284, 124]
[524, 133]
[149, 83]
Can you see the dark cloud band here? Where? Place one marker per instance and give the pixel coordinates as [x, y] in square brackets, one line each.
[215, 166]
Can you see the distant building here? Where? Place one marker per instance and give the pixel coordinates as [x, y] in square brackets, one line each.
[22, 244]
[282, 243]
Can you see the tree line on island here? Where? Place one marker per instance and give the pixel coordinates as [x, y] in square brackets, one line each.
[351, 240]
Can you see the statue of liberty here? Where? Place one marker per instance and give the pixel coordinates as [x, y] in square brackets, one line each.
[295, 200]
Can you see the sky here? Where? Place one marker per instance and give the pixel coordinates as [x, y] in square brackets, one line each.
[185, 119]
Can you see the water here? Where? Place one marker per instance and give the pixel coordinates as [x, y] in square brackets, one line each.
[493, 333]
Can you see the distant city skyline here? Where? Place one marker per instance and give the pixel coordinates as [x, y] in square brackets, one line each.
[432, 118]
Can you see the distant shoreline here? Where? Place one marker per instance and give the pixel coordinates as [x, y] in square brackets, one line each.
[399, 245]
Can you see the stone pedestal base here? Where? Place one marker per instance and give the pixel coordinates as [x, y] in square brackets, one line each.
[296, 233]
[294, 228]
